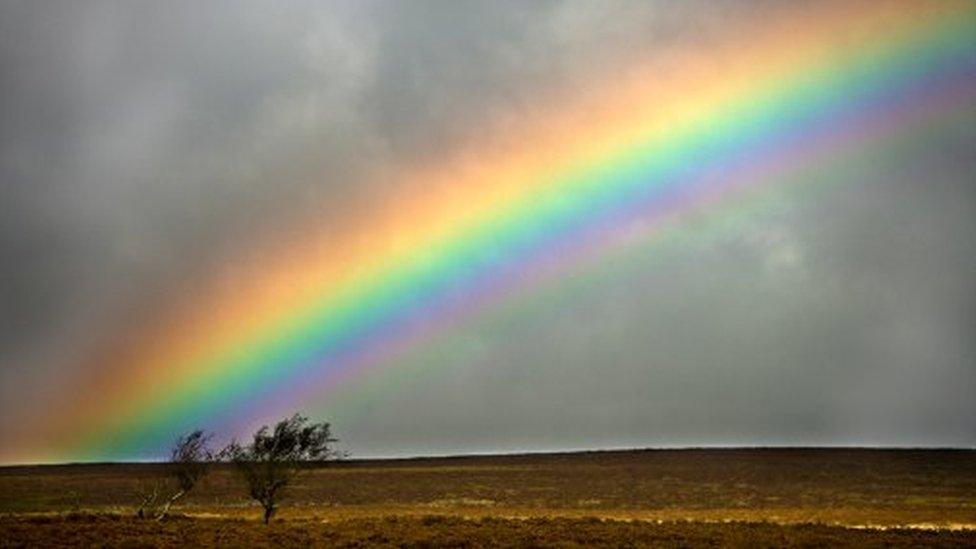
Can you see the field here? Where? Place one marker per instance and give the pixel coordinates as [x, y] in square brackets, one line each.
[666, 497]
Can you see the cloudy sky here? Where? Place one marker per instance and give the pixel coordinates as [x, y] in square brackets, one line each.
[141, 143]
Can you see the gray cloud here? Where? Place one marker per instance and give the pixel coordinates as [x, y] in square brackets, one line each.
[841, 316]
[141, 141]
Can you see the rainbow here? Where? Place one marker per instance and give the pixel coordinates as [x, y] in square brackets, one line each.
[297, 317]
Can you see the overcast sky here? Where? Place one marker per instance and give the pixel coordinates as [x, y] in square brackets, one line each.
[140, 141]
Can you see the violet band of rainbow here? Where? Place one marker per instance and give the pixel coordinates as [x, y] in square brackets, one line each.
[797, 117]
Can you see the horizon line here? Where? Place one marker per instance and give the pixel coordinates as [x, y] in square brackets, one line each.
[540, 453]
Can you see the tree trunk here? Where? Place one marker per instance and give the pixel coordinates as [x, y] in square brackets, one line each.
[269, 510]
[148, 504]
[169, 502]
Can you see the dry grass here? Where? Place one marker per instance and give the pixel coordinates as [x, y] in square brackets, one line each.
[772, 494]
[86, 530]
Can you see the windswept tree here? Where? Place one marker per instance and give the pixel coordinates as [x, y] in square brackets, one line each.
[189, 461]
[275, 456]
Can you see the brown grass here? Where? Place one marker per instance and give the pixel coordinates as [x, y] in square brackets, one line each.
[86, 530]
[772, 493]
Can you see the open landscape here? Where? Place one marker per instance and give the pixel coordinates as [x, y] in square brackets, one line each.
[487, 273]
[669, 497]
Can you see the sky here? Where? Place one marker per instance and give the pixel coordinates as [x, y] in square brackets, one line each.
[148, 149]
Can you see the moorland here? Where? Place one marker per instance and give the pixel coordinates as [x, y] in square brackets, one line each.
[732, 497]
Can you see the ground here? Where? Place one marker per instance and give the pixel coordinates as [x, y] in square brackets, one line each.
[659, 497]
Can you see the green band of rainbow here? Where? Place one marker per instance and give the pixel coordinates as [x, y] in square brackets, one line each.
[729, 144]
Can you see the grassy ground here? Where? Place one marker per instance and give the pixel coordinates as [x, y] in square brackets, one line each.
[84, 530]
[772, 495]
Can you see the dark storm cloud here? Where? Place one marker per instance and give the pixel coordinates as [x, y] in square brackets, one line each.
[140, 139]
[842, 319]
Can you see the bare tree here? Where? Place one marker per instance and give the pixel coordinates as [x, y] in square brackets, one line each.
[275, 456]
[189, 461]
